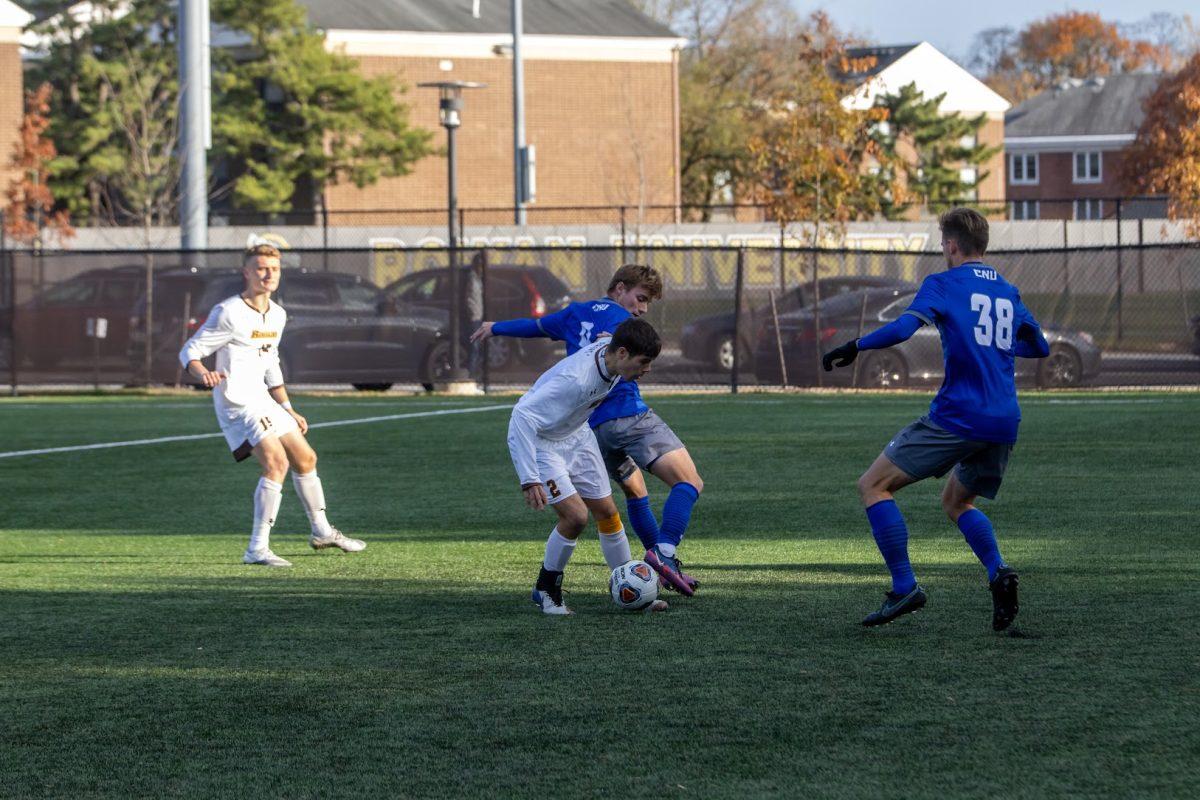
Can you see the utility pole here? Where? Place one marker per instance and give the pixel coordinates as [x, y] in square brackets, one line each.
[520, 154]
[195, 122]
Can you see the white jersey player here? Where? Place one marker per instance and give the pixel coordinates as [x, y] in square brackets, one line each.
[252, 404]
[557, 458]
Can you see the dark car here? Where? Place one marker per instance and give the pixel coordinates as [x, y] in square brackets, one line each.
[513, 291]
[709, 340]
[51, 328]
[1074, 357]
[1195, 323]
[340, 328]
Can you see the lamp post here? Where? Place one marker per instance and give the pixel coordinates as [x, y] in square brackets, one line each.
[449, 106]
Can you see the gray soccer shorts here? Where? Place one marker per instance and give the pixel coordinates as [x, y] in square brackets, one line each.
[629, 442]
[923, 449]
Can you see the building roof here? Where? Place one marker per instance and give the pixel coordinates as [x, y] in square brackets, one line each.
[1096, 107]
[933, 72]
[13, 15]
[551, 17]
[880, 58]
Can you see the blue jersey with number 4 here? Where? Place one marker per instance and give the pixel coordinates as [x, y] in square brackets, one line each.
[978, 314]
[578, 325]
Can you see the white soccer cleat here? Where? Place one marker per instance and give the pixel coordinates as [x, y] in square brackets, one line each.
[264, 558]
[547, 604]
[336, 539]
[657, 605]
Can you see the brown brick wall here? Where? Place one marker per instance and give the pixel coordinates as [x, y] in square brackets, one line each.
[12, 108]
[991, 188]
[604, 133]
[1056, 182]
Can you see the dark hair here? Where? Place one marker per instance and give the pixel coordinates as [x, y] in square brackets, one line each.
[634, 275]
[967, 227]
[638, 337]
[267, 250]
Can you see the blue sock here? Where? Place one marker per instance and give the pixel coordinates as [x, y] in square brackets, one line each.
[977, 530]
[677, 511]
[643, 521]
[891, 535]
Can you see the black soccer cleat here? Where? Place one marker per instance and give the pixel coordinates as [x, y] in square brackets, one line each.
[1004, 598]
[896, 605]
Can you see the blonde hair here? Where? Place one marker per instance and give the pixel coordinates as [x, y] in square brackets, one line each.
[259, 250]
[634, 275]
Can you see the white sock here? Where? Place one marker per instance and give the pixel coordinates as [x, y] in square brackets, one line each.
[666, 548]
[267, 496]
[313, 497]
[615, 547]
[558, 551]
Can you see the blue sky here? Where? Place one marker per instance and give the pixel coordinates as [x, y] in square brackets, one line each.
[951, 25]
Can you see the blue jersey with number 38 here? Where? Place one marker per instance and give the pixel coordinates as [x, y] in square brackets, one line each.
[978, 314]
[578, 325]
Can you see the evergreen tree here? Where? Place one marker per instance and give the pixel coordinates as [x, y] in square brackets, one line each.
[925, 151]
[287, 114]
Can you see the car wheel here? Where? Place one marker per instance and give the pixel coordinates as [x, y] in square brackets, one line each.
[435, 367]
[1062, 368]
[499, 353]
[883, 369]
[722, 350]
[372, 387]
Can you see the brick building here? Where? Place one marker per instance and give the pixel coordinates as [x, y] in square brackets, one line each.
[934, 73]
[12, 89]
[1065, 149]
[601, 100]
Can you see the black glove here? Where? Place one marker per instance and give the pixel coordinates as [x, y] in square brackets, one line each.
[841, 356]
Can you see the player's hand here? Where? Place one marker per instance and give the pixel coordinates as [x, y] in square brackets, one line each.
[301, 421]
[482, 333]
[211, 379]
[535, 496]
[840, 356]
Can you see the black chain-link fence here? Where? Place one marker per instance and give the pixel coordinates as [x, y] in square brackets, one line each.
[731, 317]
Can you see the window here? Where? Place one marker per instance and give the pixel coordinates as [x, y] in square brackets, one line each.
[1088, 167]
[358, 296]
[305, 290]
[894, 310]
[967, 142]
[1089, 209]
[1023, 168]
[72, 293]
[968, 175]
[1023, 209]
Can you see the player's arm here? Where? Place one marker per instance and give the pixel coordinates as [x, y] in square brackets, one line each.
[898, 330]
[215, 333]
[548, 327]
[279, 393]
[537, 410]
[1030, 341]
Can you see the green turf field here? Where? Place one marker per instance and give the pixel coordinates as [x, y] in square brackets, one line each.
[138, 657]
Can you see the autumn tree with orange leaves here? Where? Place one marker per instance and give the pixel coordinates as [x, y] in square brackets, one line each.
[30, 210]
[1165, 158]
[1074, 44]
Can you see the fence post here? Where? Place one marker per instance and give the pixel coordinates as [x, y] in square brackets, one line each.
[624, 260]
[739, 280]
[1141, 261]
[483, 287]
[1120, 278]
[324, 234]
[816, 295]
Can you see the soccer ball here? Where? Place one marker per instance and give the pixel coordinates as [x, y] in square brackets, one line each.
[633, 585]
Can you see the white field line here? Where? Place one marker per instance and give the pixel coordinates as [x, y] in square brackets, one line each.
[195, 436]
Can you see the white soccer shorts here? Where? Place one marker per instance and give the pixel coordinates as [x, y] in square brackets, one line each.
[573, 465]
[246, 426]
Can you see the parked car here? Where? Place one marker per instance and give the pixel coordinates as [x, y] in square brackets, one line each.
[513, 291]
[341, 328]
[1195, 323]
[709, 340]
[1074, 357]
[51, 327]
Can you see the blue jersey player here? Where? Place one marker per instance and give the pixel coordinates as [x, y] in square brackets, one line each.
[972, 422]
[630, 435]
